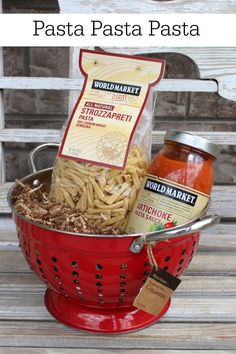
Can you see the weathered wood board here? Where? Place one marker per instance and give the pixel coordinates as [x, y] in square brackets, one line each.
[212, 63]
[182, 336]
[42, 83]
[225, 194]
[147, 6]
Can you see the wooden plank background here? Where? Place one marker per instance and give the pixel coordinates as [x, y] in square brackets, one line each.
[148, 6]
[212, 63]
[105, 351]
[221, 195]
[53, 135]
[52, 83]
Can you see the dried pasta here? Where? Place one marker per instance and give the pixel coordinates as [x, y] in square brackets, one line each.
[103, 194]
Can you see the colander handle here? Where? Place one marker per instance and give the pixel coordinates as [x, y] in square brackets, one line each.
[195, 226]
[33, 153]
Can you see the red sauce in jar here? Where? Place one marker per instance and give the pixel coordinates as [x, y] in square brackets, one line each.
[184, 165]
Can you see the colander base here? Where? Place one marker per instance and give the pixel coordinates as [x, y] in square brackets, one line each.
[119, 320]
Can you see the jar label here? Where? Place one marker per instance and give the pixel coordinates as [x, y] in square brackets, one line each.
[163, 204]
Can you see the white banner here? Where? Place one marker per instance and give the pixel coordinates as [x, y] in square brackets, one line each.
[118, 30]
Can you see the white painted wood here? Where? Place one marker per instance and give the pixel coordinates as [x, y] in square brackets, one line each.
[75, 83]
[147, 6]
[194, 286]
[193, 309]
[74, 74]
[223, 200]
[2, 165]
[199, 309]
[4, 208]
[13, 261]
[30, 135]
[214, 336]
[213, 264]
[53, 135]
[220, 238]
[9, 245]
[41, 350]
[212, 286]
[40, 83]
[8, 236]
[212, 63]
[223, 138]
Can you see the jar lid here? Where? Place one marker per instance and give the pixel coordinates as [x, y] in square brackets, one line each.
[194, 141]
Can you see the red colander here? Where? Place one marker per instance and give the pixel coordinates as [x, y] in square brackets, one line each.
[92, 280]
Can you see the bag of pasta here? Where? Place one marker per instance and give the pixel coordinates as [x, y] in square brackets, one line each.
[106, 146]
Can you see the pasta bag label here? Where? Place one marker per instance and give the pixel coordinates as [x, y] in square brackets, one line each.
[162, 204]
[104, 119]
[156, 291]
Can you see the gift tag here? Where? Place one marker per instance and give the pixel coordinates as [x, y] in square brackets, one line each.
[156, 291]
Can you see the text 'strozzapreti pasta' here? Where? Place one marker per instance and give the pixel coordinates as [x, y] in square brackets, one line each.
[106, 146]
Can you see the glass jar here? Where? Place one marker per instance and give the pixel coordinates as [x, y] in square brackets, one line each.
[178, 184]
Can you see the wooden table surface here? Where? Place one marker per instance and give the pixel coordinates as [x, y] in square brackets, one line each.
[201, 319]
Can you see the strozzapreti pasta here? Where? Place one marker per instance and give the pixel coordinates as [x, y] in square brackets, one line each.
[106, 144]
[103, 194]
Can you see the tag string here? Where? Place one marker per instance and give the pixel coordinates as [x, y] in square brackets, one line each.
[151, 257]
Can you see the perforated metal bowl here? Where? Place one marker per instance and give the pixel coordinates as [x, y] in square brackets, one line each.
[92, 280]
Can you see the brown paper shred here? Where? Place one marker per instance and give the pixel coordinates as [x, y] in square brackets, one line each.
[34, 204]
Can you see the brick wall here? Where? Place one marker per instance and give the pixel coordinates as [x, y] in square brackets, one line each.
[33, 108]
[37, 109]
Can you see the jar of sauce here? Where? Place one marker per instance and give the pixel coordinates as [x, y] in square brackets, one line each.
[178, 184]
